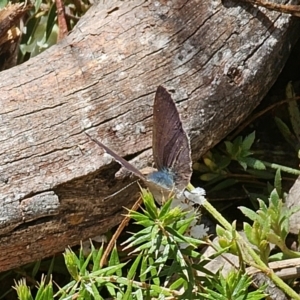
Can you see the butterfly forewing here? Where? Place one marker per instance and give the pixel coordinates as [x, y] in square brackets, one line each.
[171, 148]
[119, 159]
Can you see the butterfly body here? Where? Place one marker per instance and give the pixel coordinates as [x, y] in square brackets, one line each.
[161, 183]
[171, 151]
[163, 178]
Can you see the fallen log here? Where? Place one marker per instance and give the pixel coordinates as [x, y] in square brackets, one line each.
[217, 59]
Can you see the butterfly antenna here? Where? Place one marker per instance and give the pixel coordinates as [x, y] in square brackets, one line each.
[124, 188]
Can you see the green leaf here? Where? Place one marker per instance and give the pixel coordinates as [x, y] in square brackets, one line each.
[132, 271]
[177, 284]
[115, 260]
[243, 164]
[237, 147]
[183, 225]
[179, 237]
[72, 263]
[229, 147]
[248, 141]
[165, 209]
[224, 184]
[150, 205]
[83, 267]
[285, 131]
[275, 239]
[51, 21]
[3, 3]
[248, 231]
[95, 292]
[37, 5]
[154, 272]
[249, 213]
[106, 271]
[50, 269]
[210, 164]
[254, 163]
[274, 198]
[142, 219]
[200, 167]
[36, 268]
[277, 182]
[97, 255]
[128, 293]
[209, 176]
[45, 291]
[111, 288]
[144, 264]
[293, 110]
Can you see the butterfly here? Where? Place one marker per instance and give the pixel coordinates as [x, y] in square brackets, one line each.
[171, 151]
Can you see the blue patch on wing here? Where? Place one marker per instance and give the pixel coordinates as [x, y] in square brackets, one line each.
[163, 178]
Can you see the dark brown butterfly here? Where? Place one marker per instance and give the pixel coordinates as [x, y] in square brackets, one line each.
[171, 150]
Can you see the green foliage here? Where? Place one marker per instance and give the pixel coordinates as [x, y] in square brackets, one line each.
[3, 3]
[219, 169]
[292, 136]
[42, 33]
[45, 290]
[164, 263]
[216, 167]
[41, 28]
[227, 239]
[270, 226]
[234, 286]
[239, 150]
[23, 290]
[214, 170]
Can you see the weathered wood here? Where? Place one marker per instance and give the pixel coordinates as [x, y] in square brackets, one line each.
[219, 59]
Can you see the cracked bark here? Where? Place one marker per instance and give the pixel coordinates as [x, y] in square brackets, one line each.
[218, 60]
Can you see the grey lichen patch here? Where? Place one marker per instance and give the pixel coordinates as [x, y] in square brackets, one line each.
[41, 205]
[10, 216]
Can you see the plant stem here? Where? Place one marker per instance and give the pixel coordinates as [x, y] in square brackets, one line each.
[282, 168]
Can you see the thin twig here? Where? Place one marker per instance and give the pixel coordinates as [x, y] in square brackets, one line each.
[283, 8]
[114, 238]
[61, 18]
[259, 114]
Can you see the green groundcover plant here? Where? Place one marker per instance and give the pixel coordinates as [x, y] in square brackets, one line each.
[165, 263]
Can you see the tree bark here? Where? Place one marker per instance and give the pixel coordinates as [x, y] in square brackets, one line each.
[218, 60]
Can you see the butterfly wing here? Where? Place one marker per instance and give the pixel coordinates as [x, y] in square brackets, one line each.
[171, 147]
[119, 159]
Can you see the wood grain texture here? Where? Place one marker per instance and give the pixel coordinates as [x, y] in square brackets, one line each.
[217, 59]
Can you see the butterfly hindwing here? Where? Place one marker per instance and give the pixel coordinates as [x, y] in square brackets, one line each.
[171, 148]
